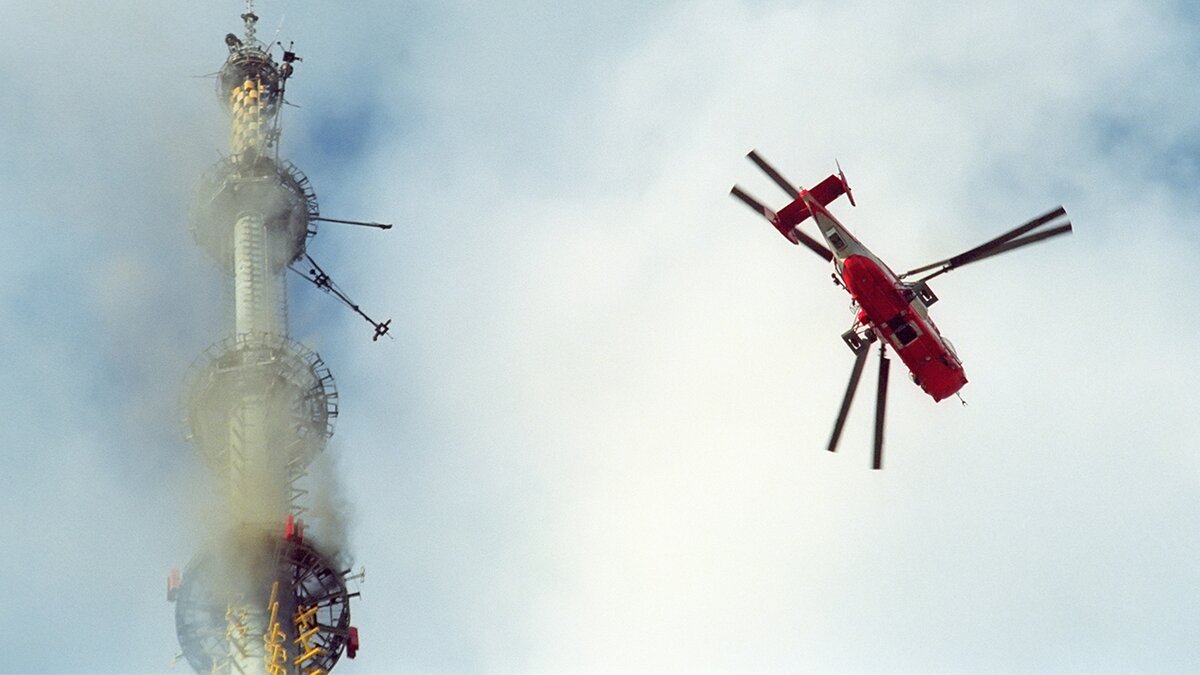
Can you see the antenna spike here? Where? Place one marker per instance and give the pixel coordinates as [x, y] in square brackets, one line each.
[364, 223]
[250, 18]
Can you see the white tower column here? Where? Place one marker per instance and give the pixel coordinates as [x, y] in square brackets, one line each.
[258, 288]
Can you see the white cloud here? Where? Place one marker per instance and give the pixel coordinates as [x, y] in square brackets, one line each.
[597, 442]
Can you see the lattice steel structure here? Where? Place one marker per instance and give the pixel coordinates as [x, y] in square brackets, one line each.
[260, 407]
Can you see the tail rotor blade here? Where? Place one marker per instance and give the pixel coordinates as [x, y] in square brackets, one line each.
[845, 184]
[880, 406]
[774, 175]
[859, 361]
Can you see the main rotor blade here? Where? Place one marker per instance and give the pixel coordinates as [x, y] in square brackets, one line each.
[859, 361]
[775, 175]
[981, 250]
[880, 405]
[795, 235]
[753, 203]
[813, 244]
[1009, 246]
[1023, 241]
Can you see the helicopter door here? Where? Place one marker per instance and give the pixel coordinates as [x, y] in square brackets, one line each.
[903, 332]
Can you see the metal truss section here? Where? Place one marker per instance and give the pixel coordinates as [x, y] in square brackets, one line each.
[322, 602]
[297, 390]
[296, 472]
[241, 608]
[215, 626]
[277, 191]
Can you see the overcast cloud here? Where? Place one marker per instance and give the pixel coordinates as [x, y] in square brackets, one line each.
[596, 443]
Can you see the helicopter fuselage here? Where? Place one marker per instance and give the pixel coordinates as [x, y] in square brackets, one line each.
[891, 309]
[888, 308]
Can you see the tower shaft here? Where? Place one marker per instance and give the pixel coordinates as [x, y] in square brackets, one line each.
[259, 286]
[263, 598]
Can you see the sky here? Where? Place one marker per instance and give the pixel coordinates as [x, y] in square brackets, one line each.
[597, 441]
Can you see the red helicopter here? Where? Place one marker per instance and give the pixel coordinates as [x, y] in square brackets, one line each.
[890, 309]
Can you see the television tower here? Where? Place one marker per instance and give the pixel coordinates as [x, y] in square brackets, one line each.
[263, 596]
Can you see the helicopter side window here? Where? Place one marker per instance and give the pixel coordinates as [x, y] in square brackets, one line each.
[904, 331]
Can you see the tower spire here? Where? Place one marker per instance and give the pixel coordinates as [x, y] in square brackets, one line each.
[251, 19]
